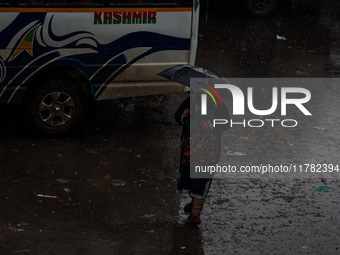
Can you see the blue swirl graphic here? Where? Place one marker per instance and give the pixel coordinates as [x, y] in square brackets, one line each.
[2, 70]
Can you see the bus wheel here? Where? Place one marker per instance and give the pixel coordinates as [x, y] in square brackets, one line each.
[261, 8]
[55, 108]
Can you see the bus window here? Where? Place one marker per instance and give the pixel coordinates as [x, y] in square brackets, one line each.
[28, 2]
[73, 2]
[4, 3]
[156, 3]
[60, 3]
[57, 58]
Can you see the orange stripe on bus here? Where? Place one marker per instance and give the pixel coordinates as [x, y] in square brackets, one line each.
[134, 9]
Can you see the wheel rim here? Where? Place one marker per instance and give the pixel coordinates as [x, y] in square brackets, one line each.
[56, 109]
[262, 4]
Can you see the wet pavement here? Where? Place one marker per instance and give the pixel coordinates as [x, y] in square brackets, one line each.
[111, 188]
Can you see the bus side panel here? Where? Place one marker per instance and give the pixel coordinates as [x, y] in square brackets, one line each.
[107, 46]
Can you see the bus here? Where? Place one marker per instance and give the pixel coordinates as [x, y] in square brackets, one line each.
[56, 56]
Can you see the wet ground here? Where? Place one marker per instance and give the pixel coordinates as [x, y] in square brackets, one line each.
[110, 188]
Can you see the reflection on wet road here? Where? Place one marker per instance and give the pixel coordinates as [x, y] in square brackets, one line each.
[111, 188]
[233, 45]
[286, 215]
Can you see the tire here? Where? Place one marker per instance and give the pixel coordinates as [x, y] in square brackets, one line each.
[55, 108]
[261, 8]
